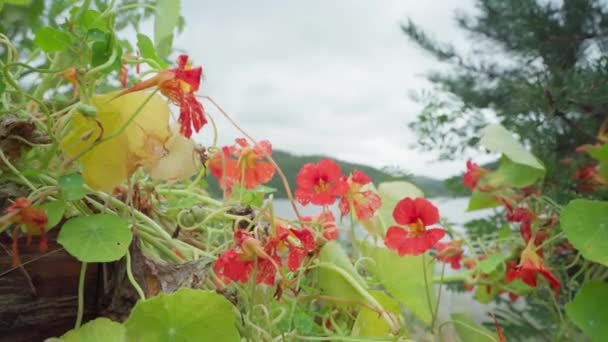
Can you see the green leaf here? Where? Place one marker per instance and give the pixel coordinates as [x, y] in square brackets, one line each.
[2, 84]
[186, 315]
[497, 139]
[165, 22]
[146, 49]
[482, 200]
[470, 331]
[402, 277]
[589, 310]
[93, 20]
[492, 262]
[72, 186]
[98, 330]
[511, 174]
[333, 282]
[96, 238]
[585, 223]
[103, 44]
[601, 154]
[484, 296]
[50, 39]
[54, 213]
[391, 193]
[370, 324]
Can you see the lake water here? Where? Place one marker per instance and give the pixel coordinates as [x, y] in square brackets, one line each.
[452, 209]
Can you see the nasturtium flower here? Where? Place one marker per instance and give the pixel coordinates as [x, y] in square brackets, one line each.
[244, 164]
[33, 219]
[320, 183]
[127, 142]
[179, 85]
[450, 252]
[238, 265]
[328, 223]
[473, 175]
[298, 242]
[365, 202]
[589, 179]
[417, 214]
[531, 264]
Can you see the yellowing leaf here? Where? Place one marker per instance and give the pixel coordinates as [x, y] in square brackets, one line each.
[128, 141]
[180, 162]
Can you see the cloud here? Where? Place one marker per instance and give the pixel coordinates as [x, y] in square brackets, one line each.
[318, 76]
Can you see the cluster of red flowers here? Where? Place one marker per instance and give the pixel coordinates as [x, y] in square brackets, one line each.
[327, 222]
[34, 220]
[322, 184]
[243, 164]
[265, 259]
[417, 214]
[179, 85]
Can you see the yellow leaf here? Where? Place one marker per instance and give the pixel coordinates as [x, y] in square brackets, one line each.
[179, 163]
[110, 162]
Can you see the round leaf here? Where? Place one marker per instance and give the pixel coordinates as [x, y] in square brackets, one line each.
[72, 186]
[589, 310]
[98, 330]
[96, 238]
[334, 283]
[585, 223]
[54, 213]
[497, 139]
[186, 315]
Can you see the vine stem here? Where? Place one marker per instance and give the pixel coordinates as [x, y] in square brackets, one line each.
[369, 298]
[132, 280]
[268, 157]
[80, 313]
[436, 313]
[426, 288]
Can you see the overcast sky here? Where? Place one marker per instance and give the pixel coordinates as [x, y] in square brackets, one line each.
[321, 77]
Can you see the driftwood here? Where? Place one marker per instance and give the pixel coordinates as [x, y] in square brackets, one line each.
[153, 275]
[45, 306]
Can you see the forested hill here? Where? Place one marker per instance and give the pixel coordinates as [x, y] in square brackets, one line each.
[291, 164]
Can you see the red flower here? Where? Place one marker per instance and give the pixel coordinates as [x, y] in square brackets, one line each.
[179, 85]
[589, 179]
[238, 266]
[365, 203]
[523, 216]
[327, 220]
[450, 252]
[34, 220]
[299, 243]
[320, 183]
[417, 214]
[531, 263]
[248, 167]
[473, 175]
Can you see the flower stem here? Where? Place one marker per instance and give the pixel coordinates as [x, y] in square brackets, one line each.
[81, 279]
[132, 280]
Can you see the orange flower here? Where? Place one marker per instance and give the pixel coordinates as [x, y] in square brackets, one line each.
[34, 220]
[70, 75]
[248, 168]
[179, 85]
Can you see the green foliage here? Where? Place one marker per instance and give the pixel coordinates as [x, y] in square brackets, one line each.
[589, 310]
[72, 186]
[54, 213]
[534, 69]
[182, 316]
[394, 273]
[370, 324]
[96, 238]
[97, 330]
[165, 23]
[585, 223]
[470, 331]
[337, 275]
